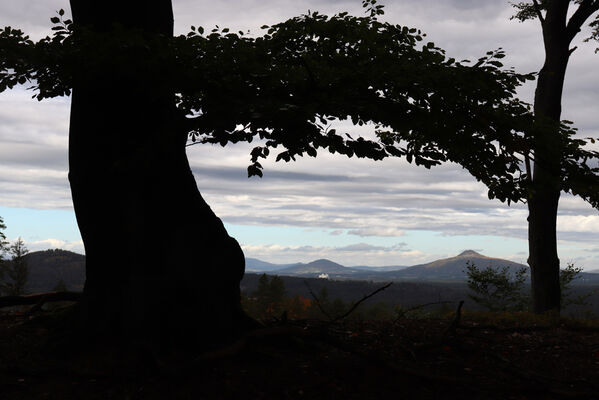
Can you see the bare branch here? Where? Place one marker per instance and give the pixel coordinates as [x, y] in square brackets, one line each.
[361, 301]
[317, 300]
[582, 13]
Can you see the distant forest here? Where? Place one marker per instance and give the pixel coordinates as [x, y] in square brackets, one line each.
[441, 296]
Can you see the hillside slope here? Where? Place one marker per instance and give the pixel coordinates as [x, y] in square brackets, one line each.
[47, 268]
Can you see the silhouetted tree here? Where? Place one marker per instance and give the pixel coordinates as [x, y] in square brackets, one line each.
[277, 289]
[3, 244]
[261, 294]
[270, 296]
[2, 236]
[551, 172]
[15, 272]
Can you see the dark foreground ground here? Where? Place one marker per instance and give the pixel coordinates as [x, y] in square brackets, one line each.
[477, 357]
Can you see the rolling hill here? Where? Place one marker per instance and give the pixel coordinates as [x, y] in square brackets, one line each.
[255, 265]
[318, 267]
[47, 268]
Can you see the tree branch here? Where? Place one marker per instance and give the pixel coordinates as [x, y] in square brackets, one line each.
[322, 310]
[582, 13]
[528, 168]
[537, 8]
[362, 300]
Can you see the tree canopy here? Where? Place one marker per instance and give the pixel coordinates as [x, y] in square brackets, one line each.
[285, 87]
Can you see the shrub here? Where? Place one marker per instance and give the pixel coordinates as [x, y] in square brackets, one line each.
[503, 290]
[497, 289]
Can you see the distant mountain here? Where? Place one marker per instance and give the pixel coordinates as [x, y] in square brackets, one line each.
[448, 269]
[255, 265]
[451, 269]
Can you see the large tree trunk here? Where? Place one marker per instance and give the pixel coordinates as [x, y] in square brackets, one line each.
[160, 265]
[544, 197]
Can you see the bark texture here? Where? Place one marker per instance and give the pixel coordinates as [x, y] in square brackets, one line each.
[160, 265]
[544, 198]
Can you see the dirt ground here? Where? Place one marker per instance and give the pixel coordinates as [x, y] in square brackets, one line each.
[475, 357]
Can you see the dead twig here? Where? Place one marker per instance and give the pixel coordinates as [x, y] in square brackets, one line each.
[317, 300]
[366, 297]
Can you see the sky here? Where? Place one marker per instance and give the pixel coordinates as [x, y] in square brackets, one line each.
[354, 212]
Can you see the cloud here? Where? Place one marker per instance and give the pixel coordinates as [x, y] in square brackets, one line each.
[74, 246]
[359, 247]
[578, 223]
[348, 255]
[381, 231]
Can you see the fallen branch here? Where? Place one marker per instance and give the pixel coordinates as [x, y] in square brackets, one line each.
[361, 301]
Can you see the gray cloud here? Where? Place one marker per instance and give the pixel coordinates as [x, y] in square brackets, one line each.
[360, 247]
[349, 255]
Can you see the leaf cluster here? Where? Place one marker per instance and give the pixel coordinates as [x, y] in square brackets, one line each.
[287, 86]
[46, 65]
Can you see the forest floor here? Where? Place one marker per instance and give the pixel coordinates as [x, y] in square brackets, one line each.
[476, 356]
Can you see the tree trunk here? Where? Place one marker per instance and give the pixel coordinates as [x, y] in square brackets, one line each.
[544, 197]
[160, 265]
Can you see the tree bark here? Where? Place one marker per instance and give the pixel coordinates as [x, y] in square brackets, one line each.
[160, 265]
[546, 186]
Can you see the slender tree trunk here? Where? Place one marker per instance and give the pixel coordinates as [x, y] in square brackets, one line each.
[544, 198]
[160, 265]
